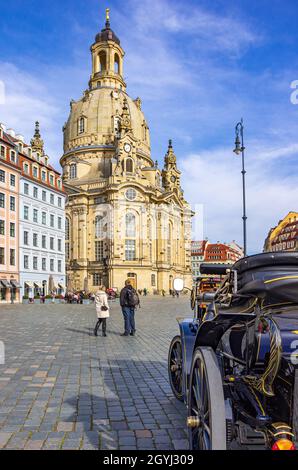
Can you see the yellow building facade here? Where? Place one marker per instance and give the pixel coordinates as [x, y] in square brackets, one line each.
[283, 237]
[125, 218]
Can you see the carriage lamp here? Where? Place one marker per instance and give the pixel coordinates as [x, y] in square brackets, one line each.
[283, 444]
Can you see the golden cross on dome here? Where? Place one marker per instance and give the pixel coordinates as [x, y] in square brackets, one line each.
[107, 14]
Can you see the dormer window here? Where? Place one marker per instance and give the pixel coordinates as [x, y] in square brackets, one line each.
[20, 147]
[81, 125]
[35, 172]
[2, 151]
[12, 156]
[26, 168]
[51, 180]
[29, 152]
[73, 171]
[46, 161]
[44, 175]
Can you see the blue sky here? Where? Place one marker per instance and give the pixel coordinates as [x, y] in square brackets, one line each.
[199, 66]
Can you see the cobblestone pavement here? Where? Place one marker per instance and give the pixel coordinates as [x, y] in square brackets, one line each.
[63, 388]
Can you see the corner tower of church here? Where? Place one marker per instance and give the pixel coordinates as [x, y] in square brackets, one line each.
[126, 218]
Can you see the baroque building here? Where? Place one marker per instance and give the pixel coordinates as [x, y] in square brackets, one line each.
[125, 218]
[42, 222]
[283, 237]
[9, 215]
[214, 253]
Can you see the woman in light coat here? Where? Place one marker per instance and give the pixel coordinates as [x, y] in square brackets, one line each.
[102, 310]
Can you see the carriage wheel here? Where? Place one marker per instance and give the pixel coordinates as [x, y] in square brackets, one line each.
[206, 405]
[175, 367]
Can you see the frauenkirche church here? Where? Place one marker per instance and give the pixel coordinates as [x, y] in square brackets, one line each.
[125, 218]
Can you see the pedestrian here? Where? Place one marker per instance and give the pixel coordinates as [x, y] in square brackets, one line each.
[145, 292]
[163, 293]
[102, 310]
[129, 300]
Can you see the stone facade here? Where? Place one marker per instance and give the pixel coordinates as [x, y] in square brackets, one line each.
[126, 218]
[9, 217]
[283, 237]
[42, 223]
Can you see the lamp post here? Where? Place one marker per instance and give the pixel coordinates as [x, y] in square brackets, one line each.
[239, 149]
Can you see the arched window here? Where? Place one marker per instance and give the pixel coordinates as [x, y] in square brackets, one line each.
[73, 171]
[102, 61]
[81, 125]
[169, 244]
[153, 280]
[67, 238]
[117, 126]
[116, 64]
[130, 225]
[129, 165]
[99, 228]
[150, 239]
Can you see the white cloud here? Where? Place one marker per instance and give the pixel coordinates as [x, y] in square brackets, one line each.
[214, 179]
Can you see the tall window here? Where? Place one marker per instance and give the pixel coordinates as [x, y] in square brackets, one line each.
[130, 225]
[12, 180]
[99, 250]
[102, 61]
[99, 233]
[130, 233]
[26, 212]
[150, 239]
[169, 244]
[2, 227]
[67, 238]
[26, 262]
[67, 229]
[2, 255]
[130, 250]
[116, 64]
[129, 165]
[73, 171]
[12, 261]
[12, 229]
[12, 203]
[2, 201]
[26, 238]
[81, 125]
[117, 126]
[99, 236]
[2, 176]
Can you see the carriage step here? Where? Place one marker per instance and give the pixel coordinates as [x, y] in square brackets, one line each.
[251, 438]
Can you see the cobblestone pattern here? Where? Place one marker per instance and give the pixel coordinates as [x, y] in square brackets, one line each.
[63, 388]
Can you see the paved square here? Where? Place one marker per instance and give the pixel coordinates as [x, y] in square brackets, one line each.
[63, 388]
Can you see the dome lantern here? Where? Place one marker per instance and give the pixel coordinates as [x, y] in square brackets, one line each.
[107, 59]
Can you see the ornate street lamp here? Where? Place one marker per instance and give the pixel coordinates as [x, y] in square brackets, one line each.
[239, 149]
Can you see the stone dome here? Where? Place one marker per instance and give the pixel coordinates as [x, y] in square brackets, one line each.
[107, 34]
[100, 108]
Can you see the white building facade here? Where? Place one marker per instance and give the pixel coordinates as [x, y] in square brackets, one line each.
[41, 225]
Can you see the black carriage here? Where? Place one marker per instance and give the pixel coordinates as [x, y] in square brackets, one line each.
[235, 365]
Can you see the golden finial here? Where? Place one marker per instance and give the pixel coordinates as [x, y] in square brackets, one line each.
[107, 14]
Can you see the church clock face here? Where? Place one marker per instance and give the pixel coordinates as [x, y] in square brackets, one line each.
[127, 148]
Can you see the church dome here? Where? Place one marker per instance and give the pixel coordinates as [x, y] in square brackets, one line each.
[93, 120]
[107, 34]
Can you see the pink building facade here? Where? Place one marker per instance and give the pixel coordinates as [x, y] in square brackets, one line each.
[9, 218]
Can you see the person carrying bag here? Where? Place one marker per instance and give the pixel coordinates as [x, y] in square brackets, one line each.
[102, 310]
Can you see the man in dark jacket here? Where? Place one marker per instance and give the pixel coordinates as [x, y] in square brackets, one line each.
[129, 300]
